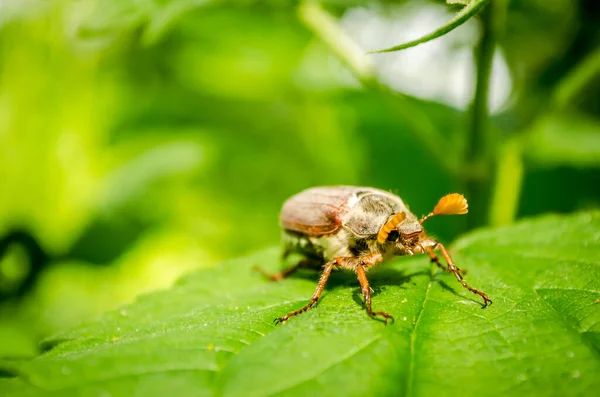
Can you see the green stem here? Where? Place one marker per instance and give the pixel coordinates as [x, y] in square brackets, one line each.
[470, 10]
[327, 28]
[478, 158]
[508, 181]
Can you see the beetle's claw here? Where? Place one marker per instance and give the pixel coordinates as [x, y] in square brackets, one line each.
[386, 316]
[486, 302]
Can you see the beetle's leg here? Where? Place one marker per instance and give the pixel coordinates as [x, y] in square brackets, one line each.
[285, 272]
[286, 252]
[366, 291]
[453, 269]
[435, 259]
[315, 298]
[372, 259]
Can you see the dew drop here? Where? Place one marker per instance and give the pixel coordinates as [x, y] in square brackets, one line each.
[65, 370]
[576, 374]
[404, 319]
[571, 354]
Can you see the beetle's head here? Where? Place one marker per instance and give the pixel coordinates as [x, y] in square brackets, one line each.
[407, 232]
[400, 229]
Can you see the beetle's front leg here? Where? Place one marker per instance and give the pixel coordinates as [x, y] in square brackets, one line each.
[435, 259]
[454, 270]
[315, 298]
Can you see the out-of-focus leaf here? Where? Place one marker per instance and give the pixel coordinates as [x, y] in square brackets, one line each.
[564, 139]
[154, 261]
[165, 160]
[212, 334]
[463, 16]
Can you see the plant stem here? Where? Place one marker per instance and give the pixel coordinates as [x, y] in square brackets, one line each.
[508, 180]
[478, 160]
[468, 11]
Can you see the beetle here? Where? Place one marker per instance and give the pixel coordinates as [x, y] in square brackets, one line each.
[356, 228]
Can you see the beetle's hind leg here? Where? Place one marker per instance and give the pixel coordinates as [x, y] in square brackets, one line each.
[304, 263]
[366, 291]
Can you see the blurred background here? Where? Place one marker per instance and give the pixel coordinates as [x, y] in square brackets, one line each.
[141, 139]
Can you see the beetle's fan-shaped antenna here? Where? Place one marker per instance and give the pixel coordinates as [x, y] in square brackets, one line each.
[389, 226]
[450, 204]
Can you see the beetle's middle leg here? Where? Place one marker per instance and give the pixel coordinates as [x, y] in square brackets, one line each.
[315, 298]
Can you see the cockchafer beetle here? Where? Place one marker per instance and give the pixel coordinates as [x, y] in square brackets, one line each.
[357, 228]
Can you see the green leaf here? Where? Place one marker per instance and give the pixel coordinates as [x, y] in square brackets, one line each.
[212, 333]
[463, 16]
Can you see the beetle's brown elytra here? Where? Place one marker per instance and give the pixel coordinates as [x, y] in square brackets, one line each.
[356, 228]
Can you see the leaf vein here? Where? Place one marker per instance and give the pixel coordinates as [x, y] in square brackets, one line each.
[413, 337]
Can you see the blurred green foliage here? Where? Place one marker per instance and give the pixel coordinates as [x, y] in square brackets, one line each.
[143, 138]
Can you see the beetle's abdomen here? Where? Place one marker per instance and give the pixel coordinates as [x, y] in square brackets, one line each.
[322, 248]
[301, 244]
